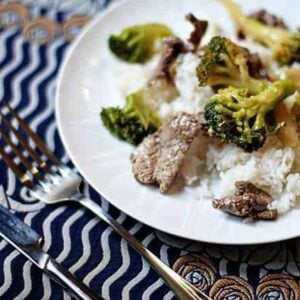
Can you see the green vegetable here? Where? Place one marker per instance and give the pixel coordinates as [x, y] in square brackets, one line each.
[133, 122]
[284, 43]
[223, 63]
[138, 44]
[238, 113]
[238, 116]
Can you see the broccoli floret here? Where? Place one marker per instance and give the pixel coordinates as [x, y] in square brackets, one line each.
[238, 113]
[223, 63]
[284, 43]
[133, 122]
[239, 117]
[138, 44]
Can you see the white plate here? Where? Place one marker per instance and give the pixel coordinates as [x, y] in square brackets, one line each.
[86, 85]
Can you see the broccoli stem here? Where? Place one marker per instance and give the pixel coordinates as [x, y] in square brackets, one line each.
[284, 43]
[264, 34]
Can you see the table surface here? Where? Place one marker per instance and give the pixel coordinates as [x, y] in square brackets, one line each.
[34, 37]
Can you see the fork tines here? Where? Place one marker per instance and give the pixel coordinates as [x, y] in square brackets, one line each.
[28, 162]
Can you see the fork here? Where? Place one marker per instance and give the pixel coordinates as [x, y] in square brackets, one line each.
[50, 181]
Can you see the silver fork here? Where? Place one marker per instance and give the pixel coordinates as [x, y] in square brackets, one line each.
[52, 182]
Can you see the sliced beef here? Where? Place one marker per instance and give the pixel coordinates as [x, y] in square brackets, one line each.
[248, 201]
[176, 137]
[145, 158]
[159, 157]
[255, 65]
[173, 47]
[200, 27]
[267, 18]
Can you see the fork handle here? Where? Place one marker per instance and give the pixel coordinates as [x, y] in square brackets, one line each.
[182, 288]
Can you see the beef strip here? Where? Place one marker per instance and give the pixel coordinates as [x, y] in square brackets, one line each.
[267, 18]
[200, 27]
[145, 159]
[255, 65]
[173, 47]
[159, 157]
[176, 138]
[248, 201]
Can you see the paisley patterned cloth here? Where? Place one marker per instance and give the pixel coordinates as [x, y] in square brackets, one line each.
[34, 37]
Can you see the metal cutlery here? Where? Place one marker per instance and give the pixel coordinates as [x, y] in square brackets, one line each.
[52, 182]
[28, 242]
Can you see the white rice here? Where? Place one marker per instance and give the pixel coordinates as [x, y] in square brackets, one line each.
[130, 78]
[192, 98]
[270, 170]
[211, 169]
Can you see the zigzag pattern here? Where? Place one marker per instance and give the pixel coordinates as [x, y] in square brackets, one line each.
[73, 236]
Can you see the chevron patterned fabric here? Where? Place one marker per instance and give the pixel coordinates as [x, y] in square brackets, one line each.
[34, 38]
